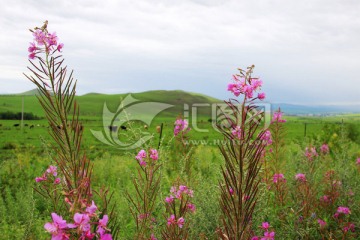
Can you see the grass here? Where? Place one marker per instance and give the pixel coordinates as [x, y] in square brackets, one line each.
[25, 155]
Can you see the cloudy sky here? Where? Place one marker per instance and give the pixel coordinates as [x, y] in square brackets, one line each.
[304, 51]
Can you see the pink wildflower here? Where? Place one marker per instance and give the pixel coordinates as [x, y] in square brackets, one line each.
[154, 154]
[92, 208]
[57, 181]
[300, 177]
[32, 55]
[191, 207]
[141, 155]
[106, 237]
[236, 132]
[101, 229]
[169, 199]
[256, 83]
[234, 88]
[81, 222]
[40, 179]
[343, 210]
[268, 236]
[52, 170]
[39, 37]
[88, 235]
[266, 137]
[180, 222]
[51, 39]
[265, 225]
[279, 177]
[32, 48]
[231, 191]
[60, 47]
[349, 227]
[358, 161]
[249, 91]
[310, 153]
[325, 199]
[324, 149]
[171, 220]
[277, 117]
[183, 188]
[322, 223]
[261, 96]
[255, 238]
[152, 237]
[181, 125]
[56, 227]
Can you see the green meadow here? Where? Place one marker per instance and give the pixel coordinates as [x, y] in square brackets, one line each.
[26, 150]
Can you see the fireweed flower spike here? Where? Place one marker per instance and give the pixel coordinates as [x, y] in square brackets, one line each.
[181, 125]
[240, 175]
[178, 206]
[343, 210]
[147, 184]
[277, 117]
[300, 177]
[57, 91]
[246, 86]
[324, 149]
[279, 177]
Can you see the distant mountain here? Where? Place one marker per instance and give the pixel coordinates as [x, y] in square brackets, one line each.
[291, 109]
[32, 92]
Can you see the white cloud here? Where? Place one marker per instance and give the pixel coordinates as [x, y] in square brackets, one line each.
[305, 51]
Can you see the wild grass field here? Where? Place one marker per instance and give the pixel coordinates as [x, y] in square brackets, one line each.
[25, 153]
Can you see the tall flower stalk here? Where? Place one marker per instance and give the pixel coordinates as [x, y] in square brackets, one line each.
[147, 186]
[178, 205]
[245, 143]
[73, 195]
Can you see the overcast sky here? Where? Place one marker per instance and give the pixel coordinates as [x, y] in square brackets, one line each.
[304, 51]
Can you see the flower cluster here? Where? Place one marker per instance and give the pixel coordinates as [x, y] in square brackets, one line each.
[279, 177]
[266, 137]
[310, 153]
[246, 87]
[268, 234]
[236, 132]
[358, 161]
[142, 156]
[181, 195]
[277, 117]
[324, 149]
[81, 227]
[300, 177]
[172, 221]
[321, 223]
[342, 210]
[44, 42]
[49, 175]
[181, 125]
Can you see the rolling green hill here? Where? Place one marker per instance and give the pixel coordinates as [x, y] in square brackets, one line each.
[91, 104]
